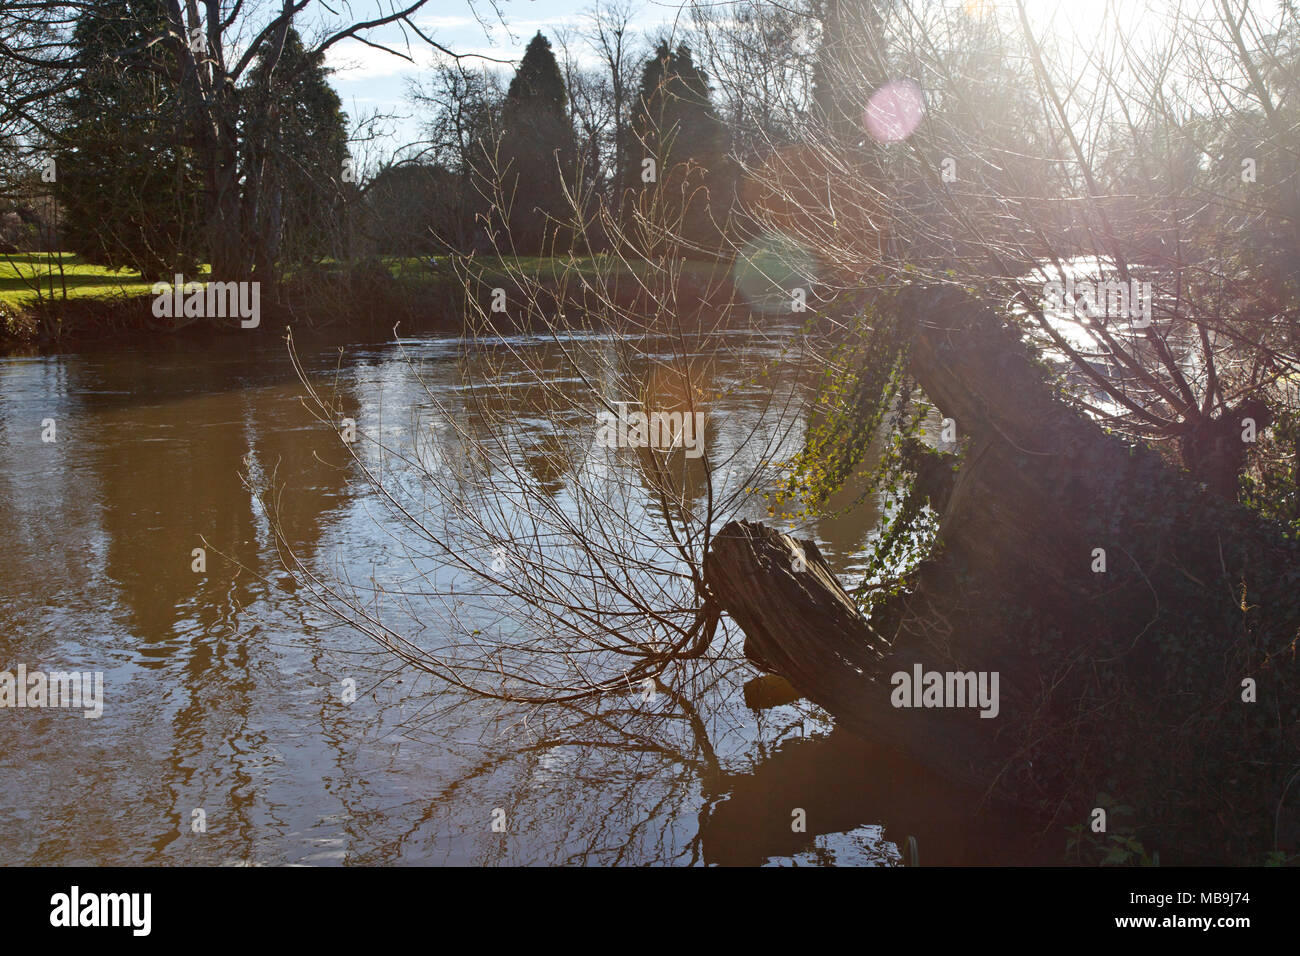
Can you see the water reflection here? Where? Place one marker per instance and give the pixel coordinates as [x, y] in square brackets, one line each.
[226, 693]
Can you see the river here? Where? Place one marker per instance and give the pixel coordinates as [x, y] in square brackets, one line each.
[224, 738]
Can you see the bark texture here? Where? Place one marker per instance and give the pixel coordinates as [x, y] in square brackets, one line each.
[1131, 675]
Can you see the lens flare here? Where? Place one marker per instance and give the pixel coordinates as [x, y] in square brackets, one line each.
[769, 269]
[894, 111]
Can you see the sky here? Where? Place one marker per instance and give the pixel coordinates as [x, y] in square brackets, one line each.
[370, 80]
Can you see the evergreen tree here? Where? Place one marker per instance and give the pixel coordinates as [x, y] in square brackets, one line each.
[538, 152]
[295, 144]
[129, 189]
[675, 125]
[849, 65]
[538, 82]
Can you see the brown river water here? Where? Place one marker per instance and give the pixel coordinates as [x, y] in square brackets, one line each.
[223, 738]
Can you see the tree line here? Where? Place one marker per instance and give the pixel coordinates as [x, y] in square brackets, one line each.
[169, 134]
[527, 167]
[178, 135]
[144, 135]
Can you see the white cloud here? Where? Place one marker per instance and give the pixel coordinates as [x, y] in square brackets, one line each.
[447, 23]
[353, 61]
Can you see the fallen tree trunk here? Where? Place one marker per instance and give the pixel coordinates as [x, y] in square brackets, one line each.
[1123, 608]
[802, 625]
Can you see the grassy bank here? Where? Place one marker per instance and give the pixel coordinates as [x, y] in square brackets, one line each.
[59, 297]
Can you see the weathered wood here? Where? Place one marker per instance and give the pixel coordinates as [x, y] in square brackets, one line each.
[802, 625]
[1132, 674]
[805, 627]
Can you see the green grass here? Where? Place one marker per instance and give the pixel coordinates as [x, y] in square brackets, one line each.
[540, 266]
[22, 273]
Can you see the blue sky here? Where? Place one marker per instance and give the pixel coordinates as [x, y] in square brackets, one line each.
[371, 80]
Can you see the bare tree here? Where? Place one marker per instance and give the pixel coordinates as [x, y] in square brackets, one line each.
[963, 152]
[564, 560]
[609, 32]
[214, 47]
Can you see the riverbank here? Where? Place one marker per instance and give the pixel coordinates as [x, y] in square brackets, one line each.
[58, 300]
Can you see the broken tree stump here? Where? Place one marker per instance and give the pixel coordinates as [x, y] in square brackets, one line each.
[1134, 619]
[801, 624]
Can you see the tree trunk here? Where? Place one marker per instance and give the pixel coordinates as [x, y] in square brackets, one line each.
[802, 625]
[1122, 607]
